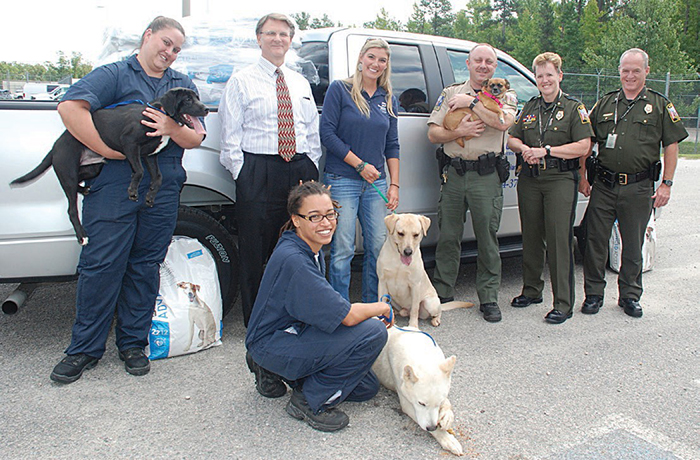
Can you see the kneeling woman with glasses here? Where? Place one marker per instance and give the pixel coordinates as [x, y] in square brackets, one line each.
[305, 333]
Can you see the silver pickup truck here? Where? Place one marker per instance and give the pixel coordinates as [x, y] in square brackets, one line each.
[37, 241]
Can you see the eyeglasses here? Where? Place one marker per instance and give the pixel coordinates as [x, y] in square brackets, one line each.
[273, 34]
[316, 218]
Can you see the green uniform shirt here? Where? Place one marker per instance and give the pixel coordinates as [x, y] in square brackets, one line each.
[651, 121]
[564, 121]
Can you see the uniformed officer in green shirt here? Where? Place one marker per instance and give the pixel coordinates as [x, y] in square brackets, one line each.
[473, 181]
[630, 124]
[549, 136]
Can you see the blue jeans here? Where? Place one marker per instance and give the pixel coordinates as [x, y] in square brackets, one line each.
[357, 199]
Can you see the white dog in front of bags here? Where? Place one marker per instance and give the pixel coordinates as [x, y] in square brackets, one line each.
[200, 314]
[412, 365]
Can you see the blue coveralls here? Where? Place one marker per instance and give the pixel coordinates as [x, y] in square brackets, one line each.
[119, 267]
[295, 329]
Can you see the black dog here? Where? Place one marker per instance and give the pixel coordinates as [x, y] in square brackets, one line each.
[121, 129]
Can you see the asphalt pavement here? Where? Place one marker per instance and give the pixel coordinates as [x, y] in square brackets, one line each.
[596, 387]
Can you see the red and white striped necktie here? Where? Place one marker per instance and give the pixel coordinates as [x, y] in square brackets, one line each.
[287, 146]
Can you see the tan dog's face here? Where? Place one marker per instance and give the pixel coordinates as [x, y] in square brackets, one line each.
[190, 289]
[406, 232]
[496, 86]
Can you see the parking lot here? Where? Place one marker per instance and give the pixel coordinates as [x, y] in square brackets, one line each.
[596, 387]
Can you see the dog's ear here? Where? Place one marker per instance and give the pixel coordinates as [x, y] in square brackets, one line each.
[507, 83]
[425, 224]
[169, 101]
[449, 364]
[409, 375]
[390, 222]
[196, 287]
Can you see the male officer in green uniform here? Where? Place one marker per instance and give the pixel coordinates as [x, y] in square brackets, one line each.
[472, 182]
[629, 124]
[549, 136]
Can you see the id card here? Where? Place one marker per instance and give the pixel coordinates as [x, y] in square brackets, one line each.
[610, 142]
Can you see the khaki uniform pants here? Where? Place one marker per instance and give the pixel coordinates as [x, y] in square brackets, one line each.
[483, 197]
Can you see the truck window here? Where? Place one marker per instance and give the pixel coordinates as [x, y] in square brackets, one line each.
[524, 88]
[317, 53]
[408, 79]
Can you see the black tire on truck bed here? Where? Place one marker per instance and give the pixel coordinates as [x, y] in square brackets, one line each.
[198, 224]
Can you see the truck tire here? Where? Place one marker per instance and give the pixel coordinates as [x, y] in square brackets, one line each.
[197, 224]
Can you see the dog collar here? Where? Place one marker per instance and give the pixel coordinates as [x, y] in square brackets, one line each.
[498, 101]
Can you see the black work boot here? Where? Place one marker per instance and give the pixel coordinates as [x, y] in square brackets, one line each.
[135, 361]
[491, 312]
[592, 304]
[330, 419]
[267, 383]
[71, 368]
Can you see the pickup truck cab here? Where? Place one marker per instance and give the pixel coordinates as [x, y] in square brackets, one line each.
[37, 242]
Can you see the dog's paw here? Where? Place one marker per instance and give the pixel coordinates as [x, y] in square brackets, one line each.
[435, 321]
[404, 312]
[450, 444]
[446, 418]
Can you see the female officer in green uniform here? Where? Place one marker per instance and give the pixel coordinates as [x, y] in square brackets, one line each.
[549, 136]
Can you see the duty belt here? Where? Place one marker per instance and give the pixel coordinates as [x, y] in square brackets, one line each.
[610, 177]
[546, 163]
[464, 165]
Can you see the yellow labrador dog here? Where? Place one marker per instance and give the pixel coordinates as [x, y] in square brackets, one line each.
[401, 272]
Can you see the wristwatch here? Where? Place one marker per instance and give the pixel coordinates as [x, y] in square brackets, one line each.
[667, 182]
[473, 104]
[548, 149]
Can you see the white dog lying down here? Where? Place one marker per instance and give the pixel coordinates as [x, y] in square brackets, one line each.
[402, 274]
[413, 366]
[199, 314]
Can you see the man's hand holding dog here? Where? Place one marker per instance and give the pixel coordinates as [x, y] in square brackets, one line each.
[459, 101]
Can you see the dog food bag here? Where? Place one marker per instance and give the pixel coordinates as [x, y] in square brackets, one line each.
[648, 247]
[188, 311]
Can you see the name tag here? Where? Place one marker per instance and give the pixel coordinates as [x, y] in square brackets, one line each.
[610, 142]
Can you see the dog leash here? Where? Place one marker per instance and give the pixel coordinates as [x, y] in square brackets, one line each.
[134, 101]
[386, 200]
[386, 298]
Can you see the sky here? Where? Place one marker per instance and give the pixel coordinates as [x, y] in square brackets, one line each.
[41, 28]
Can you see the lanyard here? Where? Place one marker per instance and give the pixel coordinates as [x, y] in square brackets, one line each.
[617, 101]
[549, 122]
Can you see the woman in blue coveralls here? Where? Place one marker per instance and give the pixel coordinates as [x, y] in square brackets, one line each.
[119, 266]
[359, 131]
[302, 330]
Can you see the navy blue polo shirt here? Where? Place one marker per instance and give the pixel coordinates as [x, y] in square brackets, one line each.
[345, 128]
[126, 81]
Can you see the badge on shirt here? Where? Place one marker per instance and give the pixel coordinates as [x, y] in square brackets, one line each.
[672, 113]
[439, 102]
[382, 107]
[583, 115]
[530, 118]
[648, 109]
[559, 115]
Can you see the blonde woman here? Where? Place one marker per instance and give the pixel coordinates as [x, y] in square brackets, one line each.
[359, 131]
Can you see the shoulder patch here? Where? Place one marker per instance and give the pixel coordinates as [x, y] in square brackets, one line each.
[673, 113]
[511, 98]
[583, 114]
[439, 102]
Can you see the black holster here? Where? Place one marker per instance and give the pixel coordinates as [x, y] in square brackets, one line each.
[591, 168]
[487, 163]
[655, 171]
[443, 163]
[502, 168]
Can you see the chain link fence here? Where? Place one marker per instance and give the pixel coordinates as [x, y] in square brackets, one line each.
[682, 90]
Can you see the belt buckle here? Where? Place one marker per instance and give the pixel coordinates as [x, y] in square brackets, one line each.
[543, 164]
[622, 178]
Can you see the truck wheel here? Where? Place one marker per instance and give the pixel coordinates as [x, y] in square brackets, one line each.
[200, 225]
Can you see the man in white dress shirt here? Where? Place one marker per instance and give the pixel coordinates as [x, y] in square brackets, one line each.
[266, 154]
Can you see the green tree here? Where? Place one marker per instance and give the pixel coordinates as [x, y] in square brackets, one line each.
[476, 22]
[384, 22]
[505, 11]
[303, 19]
[432, 17]
[689, 12]
[324, 21]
